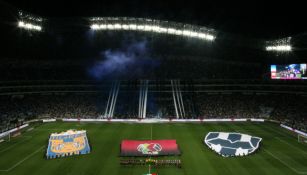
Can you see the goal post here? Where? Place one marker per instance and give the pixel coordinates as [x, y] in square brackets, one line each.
[5, 137]
[301, 138]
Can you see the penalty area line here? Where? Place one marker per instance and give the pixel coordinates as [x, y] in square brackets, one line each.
[151, 132]
[21, 161]
[302, 151]
[283, 162]
[17, 143]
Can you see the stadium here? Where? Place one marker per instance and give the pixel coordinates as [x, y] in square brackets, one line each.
[152, 88]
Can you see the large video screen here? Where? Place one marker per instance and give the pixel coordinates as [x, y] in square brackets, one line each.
[290, 71]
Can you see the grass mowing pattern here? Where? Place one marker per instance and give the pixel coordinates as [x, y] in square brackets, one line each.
[280, 153]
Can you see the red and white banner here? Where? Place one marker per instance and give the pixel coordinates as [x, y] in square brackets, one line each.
[149, 148]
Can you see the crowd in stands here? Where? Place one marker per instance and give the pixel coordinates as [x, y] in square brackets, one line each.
[47, 106]
[234, 106]
[166, 66]
[289, 109]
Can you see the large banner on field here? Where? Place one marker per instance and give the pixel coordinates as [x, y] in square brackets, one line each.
[71, 142]
[149, 148]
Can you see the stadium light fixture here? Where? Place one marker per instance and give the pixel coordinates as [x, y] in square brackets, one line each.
[140, 27]
[155, 28]
[125, 26]
[117, 26]
[110, 26]
[29, 26]
[186, 33]
[281, 48]
[29, 22]
[171, 31]
[148, 28]
[21, 24]
[95, 26]
[279, 45]
[210, 37]
[102, 26]
[194, 34]
[163, 30]
[178, 32]
[147, 25]
[201, 35]
[132, 26]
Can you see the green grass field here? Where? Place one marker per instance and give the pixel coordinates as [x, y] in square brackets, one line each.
[280, 152]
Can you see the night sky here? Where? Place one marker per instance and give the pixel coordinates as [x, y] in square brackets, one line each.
[256, 19]
[242, 31]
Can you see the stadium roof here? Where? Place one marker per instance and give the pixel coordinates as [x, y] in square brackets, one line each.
[251, 19]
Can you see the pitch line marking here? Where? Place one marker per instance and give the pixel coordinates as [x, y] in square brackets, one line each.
[283, 132]
[151, 132]
[283, 162]
[143, 138]
[16, 144]
[21, 161]
[291, 145]
[51, 129]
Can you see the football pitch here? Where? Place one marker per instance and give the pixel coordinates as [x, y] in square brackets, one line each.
[279, 153]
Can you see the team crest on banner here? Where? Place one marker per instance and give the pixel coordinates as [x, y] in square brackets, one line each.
[232, 144]
[146, 148]
[149, 148]
[71, 142]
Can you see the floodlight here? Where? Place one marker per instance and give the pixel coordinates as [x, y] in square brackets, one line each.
[150, 26]
[125, 26]
[163, 30]
[29, 26]
[171, 30]
[132, 26]
[178, 32]
[155, 28]
[281, 48]
[21, 24]
[102, 26]
[140, 27]
[210, 37]
[117, 26]
[193, 34]
[95, 26]
[110, 26]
